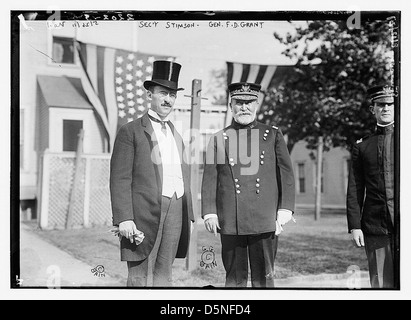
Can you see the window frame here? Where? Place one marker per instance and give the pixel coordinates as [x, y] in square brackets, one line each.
[51, 61]
[64, 121]
[298, 180]
[57, 115]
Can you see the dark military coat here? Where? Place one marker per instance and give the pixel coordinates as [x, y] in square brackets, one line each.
[370, 194]
[248, 176]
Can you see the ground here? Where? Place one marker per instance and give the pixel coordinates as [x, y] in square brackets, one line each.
[310, 254]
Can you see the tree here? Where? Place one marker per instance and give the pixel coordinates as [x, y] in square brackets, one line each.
[323, 100]
[217, 87]
[324, 94]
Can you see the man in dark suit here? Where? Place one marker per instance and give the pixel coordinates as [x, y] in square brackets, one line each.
[150, 195]
[248, 190]
[370, 195]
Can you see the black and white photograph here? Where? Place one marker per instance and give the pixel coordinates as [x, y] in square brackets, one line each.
[218, 152]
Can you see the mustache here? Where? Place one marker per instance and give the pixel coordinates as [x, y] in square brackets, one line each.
[165, 104]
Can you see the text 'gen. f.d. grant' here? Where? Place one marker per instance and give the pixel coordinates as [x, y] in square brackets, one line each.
[197, 24]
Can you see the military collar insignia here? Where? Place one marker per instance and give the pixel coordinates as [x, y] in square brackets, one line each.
[363, 139]
[235, 125]
[385, 129]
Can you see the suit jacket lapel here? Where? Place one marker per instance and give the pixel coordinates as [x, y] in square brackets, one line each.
[178, 139]
[154, 156]
[180, 147]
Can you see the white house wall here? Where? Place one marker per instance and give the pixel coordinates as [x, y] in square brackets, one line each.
[92, 135]
[34, 60]
[334, 176]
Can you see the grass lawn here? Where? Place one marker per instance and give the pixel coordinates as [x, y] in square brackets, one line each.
[307, 247]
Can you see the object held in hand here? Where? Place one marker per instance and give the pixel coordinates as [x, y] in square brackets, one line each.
[115, 231]
[138, 237]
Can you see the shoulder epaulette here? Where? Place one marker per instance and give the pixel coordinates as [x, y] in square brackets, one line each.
[362, 139]
[274, 127]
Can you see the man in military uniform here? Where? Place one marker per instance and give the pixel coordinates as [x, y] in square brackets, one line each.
[248, 190]
[370, 195]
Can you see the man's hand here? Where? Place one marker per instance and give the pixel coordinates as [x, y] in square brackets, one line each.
[212, 225]
[128, 229]
[284, 216]
[358, 237]
[278, 228]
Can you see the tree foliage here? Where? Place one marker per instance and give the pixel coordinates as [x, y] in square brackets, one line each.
[217, 87]
[325, 92]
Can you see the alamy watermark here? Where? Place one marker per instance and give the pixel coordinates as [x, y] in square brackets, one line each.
[232, 147]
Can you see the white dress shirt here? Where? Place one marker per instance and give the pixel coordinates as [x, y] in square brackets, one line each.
[170, 159]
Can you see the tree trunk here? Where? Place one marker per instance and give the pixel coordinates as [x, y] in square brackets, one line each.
[319, 175]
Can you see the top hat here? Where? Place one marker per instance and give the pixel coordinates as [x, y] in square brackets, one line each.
[383, 94]
[244, 90]
[165, 74]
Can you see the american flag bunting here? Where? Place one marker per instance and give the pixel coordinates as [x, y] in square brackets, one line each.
[113, 81]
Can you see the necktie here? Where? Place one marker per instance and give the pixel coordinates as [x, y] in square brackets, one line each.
[163, 124]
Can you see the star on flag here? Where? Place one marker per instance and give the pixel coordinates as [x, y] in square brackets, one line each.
[132, 69]
[114, 82]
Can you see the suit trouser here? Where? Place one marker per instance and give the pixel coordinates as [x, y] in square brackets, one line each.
[379, 250]
[156, 270]
[260, 249]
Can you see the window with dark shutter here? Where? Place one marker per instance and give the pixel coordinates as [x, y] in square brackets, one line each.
[301, 177]
[63, 50]
[71, 130]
